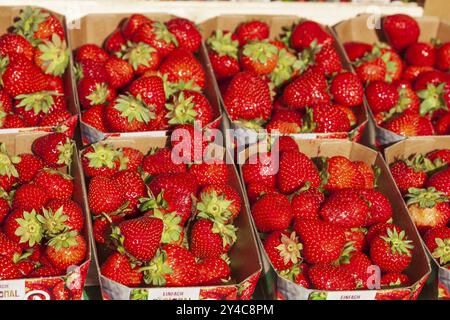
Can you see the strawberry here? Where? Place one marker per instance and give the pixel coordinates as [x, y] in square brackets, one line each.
[440, 181]
[443, 57]
[223, 54]
[220, 203]
[433, 77]
[390, 280]
[296, 169]
[105, 195]
[23, 228]
[306, 203]
[371, 69]
[156, 35]
[57, 184]
[115, 42]
[173, 266]
[210, 172]
[358, 265]
[443, 156]
[330, 277]
[55, 149]
[5, 206]
[401, 31]
[442, 126]
[29, 197]
[91, 51]
[66, 249]
[327, 60]
[248, 99]
[9, 248]
[141, 57]
[211, 239]
[272, 212]
[13, 121]
[288, 67]
[52, 56]
[340, 173]
[91, 69]
[118, 268]
[183, 183]
[38, 24]
[256, 191]
[134, 188]
[437, 241]
[92, 93]
[152, 90]
[94, 117]
[421, 54]
[412, 72]
[357, 237]
[380, 229]
[133, 158]
[345, 208]
[118, 72]
[259, 57]
[322, 242]
[13, 44]
[283, 249]
[323, 118]
[159, 161]
[101, 227]
[393, 252]
[380, 209]
[304, 33]
[9, 270]
[186, 33]
[428, 208]
[62, 215]
[46, 271]
[410, 124]
[410, 173]
[181, 65]
[356, 50]
[370, 174]
[285, 143]
[28, 167]
[132, 24]
[347, 89]
[189, 107]
[252, 31]
[259, 168]
[102, 160]
[55, 119]
[381, 96]
[285, 121]
[213, 271]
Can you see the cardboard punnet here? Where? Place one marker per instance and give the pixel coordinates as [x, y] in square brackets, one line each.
[30, 289]
[245, 136]
[441, 286]
[419, 268]
[244, 255]
[366, 28]
[7, 16]
[95, 28]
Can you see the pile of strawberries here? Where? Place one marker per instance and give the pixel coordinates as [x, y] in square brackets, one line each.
[294, 84]
[33, 59]
[407, 82]
[42, 228]
[146, 77]
[167, 223]
[424, 181]
[322, 221]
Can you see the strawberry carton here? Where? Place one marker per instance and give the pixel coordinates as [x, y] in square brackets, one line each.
[37, 91]
[197, 241]
[417, 166]
[45, 236]
[405, 72]
[331, 223]
[284, 88]
[141, 73]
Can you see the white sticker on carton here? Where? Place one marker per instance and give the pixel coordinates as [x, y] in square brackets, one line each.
[174, 294]
[12, 290]
[351, 295]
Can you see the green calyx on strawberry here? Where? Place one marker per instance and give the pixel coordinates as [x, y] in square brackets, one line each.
[419, 163]
[163, 34]
[214, 207]
[287, 65]
[139, 294]
[290, 249]
[226, 231]
[426, 198]
[346, 253]
[442, 251]
[254, 124]
[308, 125]
[181, 110]
[104, 155]
[398, 242]
[259, 51]
[65, 152]
[172, 230]
[7, 167]
[138, 54]
[307, 56]
[40, 101]
[155, 271]
[432, 98]
[223, 44]
[375, 54]
[64, 240]
[30, 228]
[54, 55]
[53, 222]
[403, 103]
[28, 22]
[133, 108]
[99, 95]
[152, 203]
[77, 70]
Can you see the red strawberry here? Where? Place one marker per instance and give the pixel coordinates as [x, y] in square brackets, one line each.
[381, 96]
[272, 212]
[442, 125]
[134, 188]
[283, 249]
[322, 242]
[60, 292]
[91, 69]
[189, 143]
[55, 149]
[328, 60]
[91, 51]
[13, 44]
[211, 239]
[306, 32]
[371, 69]
[160, 161]
[57, 184]
[410, 124]
[118, 268]
[347, 89]
[29, 197]
[223, 54]
[60, 215]
[101, 227]
[118, 72]
[94, 118]
[28, 167]
[380, 209]
[380, 229]
[23, 228]
[357, 237]
[443, 156]
[368, 173]
[105, 195]
[437, 241]
[115, 42]
[358, 265]
[153, 91]
[259, 168]
[156, 35]
[440, 181]
[92, 93]
[9, 270]
[189, 107]
[5, 206]
[256, 191]
[340, 173]
[410, 173]
[66, 249]
[251, 31]
[141, 57]
[401, 31]
[390, 280]
[285, 121]
[133, 157]
[13, 121]
[38, 24]
[356, 50]
[9, 248]
[102, 160]
[393, 252]
[433, 77]
[213, 271]
[56, 118]
[52, 56]
[186, 33]
[132, 24]
[296, 169]
[248, 98]
[412, 72]
[421, 54]
[220, 203]
[323, 118]
[306, 203]
[330, 277]
[259, 57]
[443, 57]
[210, 172]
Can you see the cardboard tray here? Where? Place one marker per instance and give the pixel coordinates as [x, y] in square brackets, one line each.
[244, 255]
[357, 29]
[440, 287]
[95, 28]
[17, 143]
[246, 136]
[419, 269]
[7, 16]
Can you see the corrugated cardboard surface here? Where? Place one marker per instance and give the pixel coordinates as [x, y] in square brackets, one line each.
[419, 267]
[244, 255]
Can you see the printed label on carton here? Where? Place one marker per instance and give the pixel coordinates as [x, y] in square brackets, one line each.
[174, 294]
[352, 295]
[12, 290]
